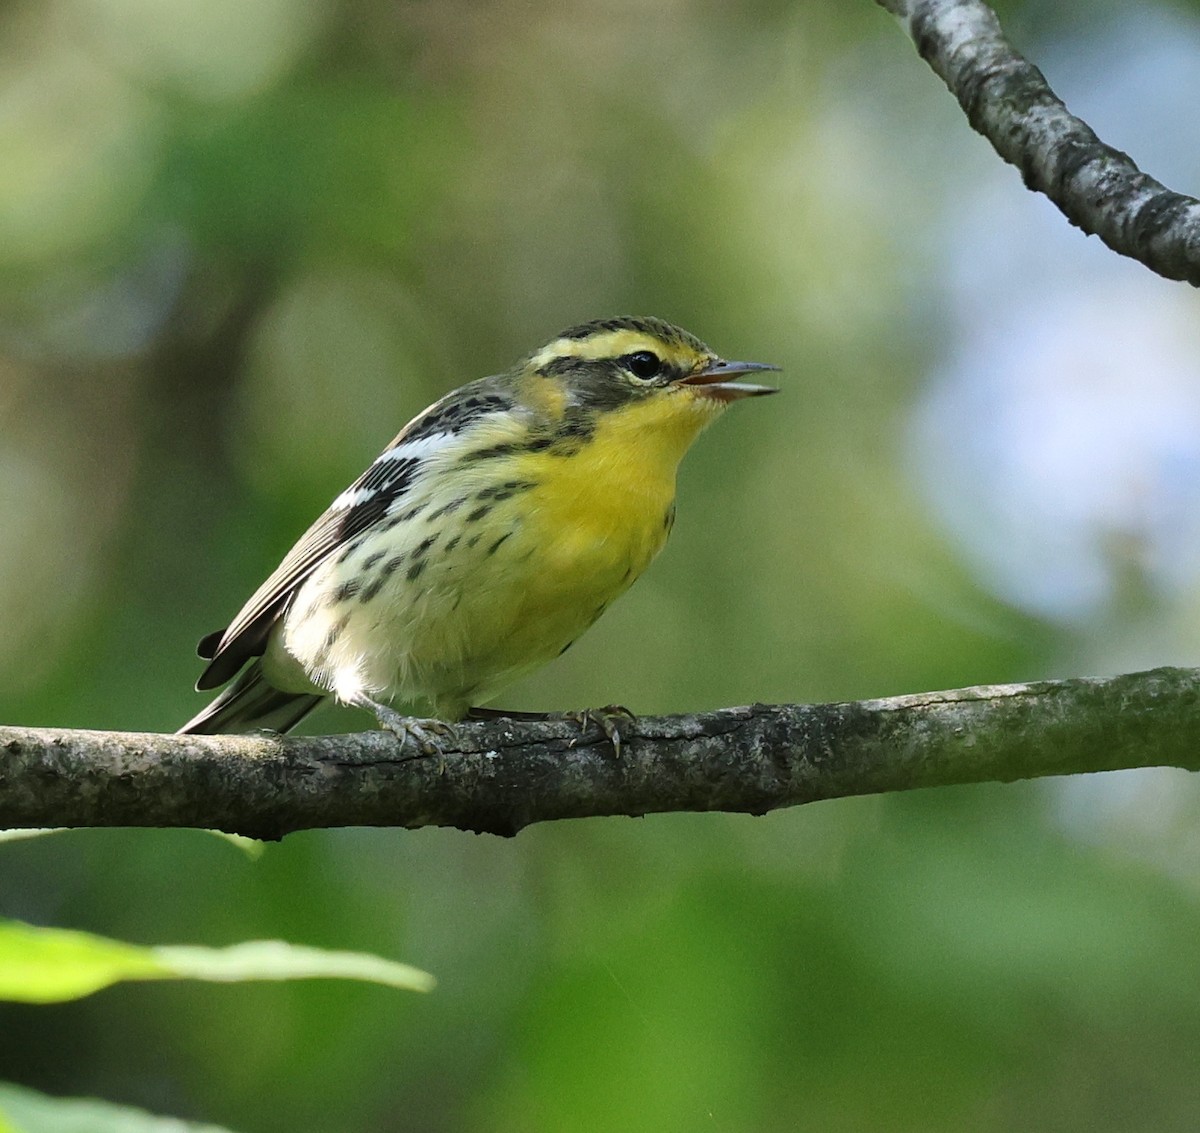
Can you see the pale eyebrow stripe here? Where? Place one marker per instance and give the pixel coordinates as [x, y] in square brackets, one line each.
[604, 344]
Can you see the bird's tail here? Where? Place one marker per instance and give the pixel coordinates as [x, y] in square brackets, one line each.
[251, 703]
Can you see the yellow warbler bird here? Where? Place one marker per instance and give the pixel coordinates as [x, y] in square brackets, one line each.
[494, 530]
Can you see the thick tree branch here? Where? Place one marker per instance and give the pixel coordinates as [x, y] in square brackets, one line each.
[1008, 100]
[503, 775]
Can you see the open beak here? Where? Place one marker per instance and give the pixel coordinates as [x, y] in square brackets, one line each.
[713, 381]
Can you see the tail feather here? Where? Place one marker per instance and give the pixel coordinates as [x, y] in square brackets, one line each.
[251, 703]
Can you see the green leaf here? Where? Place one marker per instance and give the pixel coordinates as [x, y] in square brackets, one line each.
[49, 965]
[27, 1111]
[277, 960]
[251, 847]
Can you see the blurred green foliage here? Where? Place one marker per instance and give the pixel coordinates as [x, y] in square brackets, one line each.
[54, 965]
[240, 244]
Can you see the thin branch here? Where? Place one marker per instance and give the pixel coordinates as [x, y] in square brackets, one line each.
[500, 776]
[1010, 103]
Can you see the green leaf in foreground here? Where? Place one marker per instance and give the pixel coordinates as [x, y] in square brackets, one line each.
[27, 1111]
[251, 847]
[277, 960]
[49, 965]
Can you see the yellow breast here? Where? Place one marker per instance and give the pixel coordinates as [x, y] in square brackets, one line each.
[605, 508]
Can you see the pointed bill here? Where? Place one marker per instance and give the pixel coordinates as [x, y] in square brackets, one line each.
[714, 380]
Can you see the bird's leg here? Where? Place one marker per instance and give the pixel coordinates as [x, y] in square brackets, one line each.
[607, 719]
[427, 735]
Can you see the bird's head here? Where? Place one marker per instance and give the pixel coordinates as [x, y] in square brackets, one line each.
[619, 363]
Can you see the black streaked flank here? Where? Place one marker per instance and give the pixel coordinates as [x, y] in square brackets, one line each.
[335, 631]
[414, 571]
[452, 544]
[394, 564]
[372, 591]
[504, 448]
[347, 590]
[478, 513]
[447, 509]
[496, 545]
[506, 490]
[371, 560]
[425, 544]
[336, 536]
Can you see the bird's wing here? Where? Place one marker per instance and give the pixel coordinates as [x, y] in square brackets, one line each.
[376, 492]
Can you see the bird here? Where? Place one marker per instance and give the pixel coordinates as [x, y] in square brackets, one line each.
[495, 528]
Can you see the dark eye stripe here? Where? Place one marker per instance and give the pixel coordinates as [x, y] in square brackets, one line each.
[643, 364]
[560, 365]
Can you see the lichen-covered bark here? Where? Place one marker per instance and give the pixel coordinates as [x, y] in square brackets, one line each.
[1008, 100]
[500, 776]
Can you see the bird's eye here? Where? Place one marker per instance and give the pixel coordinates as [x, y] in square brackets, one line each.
[643, 364]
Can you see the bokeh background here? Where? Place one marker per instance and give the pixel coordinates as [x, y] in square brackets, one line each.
[242, 242]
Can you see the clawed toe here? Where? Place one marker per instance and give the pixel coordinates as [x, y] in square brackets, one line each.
[428, 736]
[608, 719]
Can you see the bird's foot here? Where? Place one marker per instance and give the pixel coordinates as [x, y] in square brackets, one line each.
[427, 735]
[608, 719]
